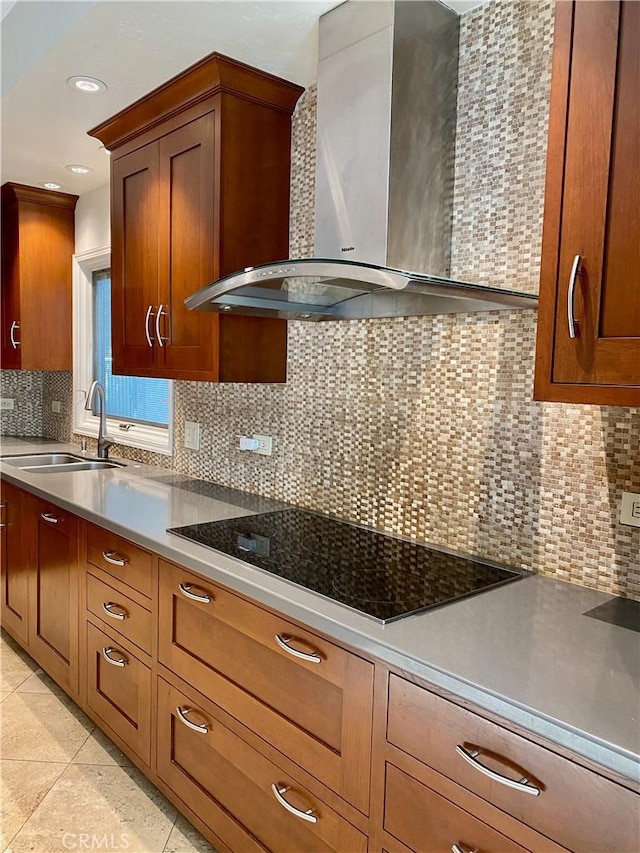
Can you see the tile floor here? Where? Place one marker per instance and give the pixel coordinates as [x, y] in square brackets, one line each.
[65, 785]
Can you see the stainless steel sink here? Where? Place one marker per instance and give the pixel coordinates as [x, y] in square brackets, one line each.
[50, 463]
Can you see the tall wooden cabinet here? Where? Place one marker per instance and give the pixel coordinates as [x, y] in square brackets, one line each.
[588, 348]
[200, 189]
[37, 246]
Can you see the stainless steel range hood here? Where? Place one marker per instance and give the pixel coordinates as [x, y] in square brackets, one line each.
[346, 290]
[387, 89]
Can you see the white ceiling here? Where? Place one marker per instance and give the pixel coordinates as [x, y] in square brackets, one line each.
[134, 46]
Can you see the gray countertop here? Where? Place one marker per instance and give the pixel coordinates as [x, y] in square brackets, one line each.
[526, 651]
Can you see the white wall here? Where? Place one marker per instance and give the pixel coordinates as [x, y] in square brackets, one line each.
[92, 220]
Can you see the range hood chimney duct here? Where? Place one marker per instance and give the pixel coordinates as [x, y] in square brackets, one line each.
[387, 90]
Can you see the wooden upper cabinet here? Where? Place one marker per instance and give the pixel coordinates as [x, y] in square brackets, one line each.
[591, 245]
[200, 188]
[37, 246]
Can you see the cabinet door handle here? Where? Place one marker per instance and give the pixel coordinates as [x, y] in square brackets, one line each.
[520, 785]
[185, 589]
[114, 558]
[458, 848]
[15, 343]
[50, 517]
[108, 606]
[161, 313]
[182, 714]
[147, 318]
[573, 275]
[106, 654]
[3, 507]
[278, 791]
[283, 642]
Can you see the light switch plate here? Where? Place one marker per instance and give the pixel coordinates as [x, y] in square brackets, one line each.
[56, 406]
[630, 509]
[192, 435]
[7, 404]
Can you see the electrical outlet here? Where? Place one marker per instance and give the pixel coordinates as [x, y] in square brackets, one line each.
[630, 509]
[7, 404]
[56, 406]
[192, 435]
[265, 445]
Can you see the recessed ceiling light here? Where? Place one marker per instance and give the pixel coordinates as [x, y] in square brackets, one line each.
[89, 85]
[78, 169]
[49, 185]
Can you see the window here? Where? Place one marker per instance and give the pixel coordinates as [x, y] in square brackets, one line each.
[139, 410]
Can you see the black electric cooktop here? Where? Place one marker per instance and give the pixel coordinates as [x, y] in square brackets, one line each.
[378, 575]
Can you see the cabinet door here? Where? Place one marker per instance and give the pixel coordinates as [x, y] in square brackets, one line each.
[14, 563]
[10, 290]
[187, 340]
[591, 250]
[53, 595]
[134, 260]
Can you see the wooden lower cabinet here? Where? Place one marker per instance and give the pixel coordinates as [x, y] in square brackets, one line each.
[558, 798]
[266, 734]
[249, 801]
[307, 697]
[54, 594]
[118, 689]
[14, 564]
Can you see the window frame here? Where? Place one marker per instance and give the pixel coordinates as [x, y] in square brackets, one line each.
[142, 436]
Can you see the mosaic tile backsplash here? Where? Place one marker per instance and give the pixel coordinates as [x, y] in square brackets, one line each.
[425, 426]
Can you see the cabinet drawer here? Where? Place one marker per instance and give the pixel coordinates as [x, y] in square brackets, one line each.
[119, 690]
[307, 697]
[120, 612]
[575, 807]
[231, 786]
[423, 820]
[124, 560]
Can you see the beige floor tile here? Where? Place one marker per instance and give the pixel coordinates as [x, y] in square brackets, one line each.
[112, 808]
[99, 749]
[15, 665]
[23, 784]
[185, 838]
[42, 727]
[40, 682]
[4, 694]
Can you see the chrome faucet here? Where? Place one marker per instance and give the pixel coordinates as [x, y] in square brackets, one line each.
[104, 443]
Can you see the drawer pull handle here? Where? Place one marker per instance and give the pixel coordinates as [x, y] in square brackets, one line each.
[575, 272]
[458, 848]
[108, 606]
[182, 714]
[283, 642]
[278, 791]
[106, 654]
[520, 785]
[185, 589]
[50, 517]
[148, 316]
[114, 558]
